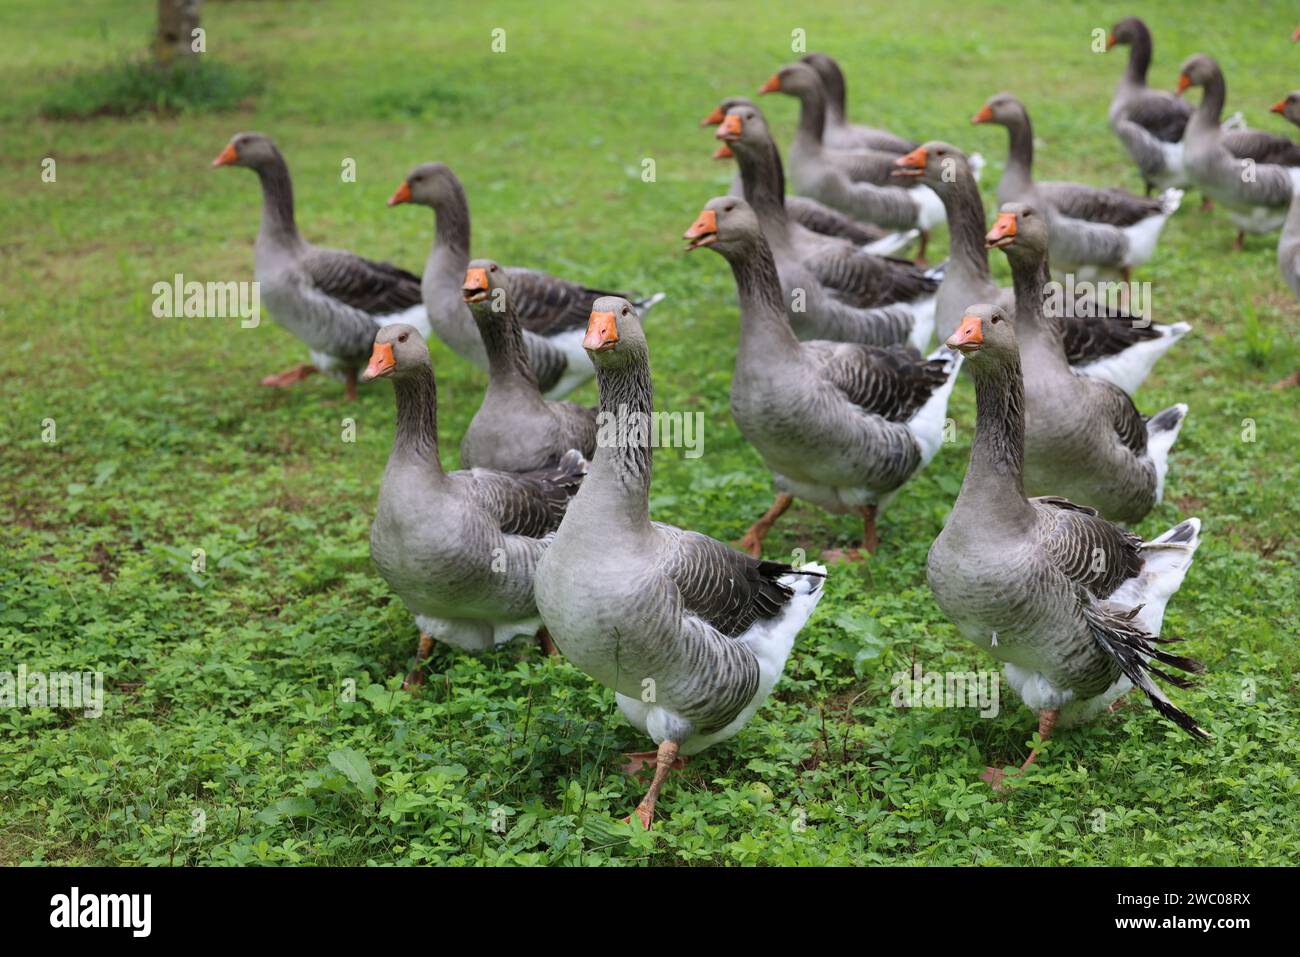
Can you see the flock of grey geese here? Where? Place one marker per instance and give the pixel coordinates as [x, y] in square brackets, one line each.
[545, 530]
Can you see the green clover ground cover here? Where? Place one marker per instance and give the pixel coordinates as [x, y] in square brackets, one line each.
[251, 710]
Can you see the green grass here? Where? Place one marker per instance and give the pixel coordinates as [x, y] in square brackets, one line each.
[138, 85]
[224, 689]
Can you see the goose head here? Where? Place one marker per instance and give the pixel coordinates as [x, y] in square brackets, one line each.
[1288, 106]
[985, 335]
[1002, 109]
[251, 150]
[1197, 70]
[744, 128]
[936, 163]
[1020, 231]
[728, 224]
[614, 336]
[829, 72]
[485, 289]
[795, 79]
[429, 184]
[398, 351]
[1128, 31]
[722, 109]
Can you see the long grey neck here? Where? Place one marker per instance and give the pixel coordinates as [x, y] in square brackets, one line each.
[1215, 95]
[994, 490]
[763, 181]
[417, 419]
[277, 201]
[1038, 332]
[1139, 58]
[1020, 153]
[451, 232]
[965, 211]
[618, 481]
[833, 83]
[765, 331]
[812, 115]
[508, 365]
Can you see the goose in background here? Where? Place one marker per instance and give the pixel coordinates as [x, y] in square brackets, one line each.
[1070, 603]
[1094, 231]
[840, 134]
[1084, 438]
[1288, 244]
[839, 424]
[552, 311]
[515, 429]
[833, 290]
[808, 213]
[1100, 340]
[458, 548]
[333, 300]
[641, 606]
[1256, 190]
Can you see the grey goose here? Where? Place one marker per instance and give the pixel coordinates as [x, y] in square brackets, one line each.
[832, 289]
[458, 548]
[689, 633]
[838, 132]
[1100, 340]
[552, 311]
[333, 300]
[1084, 438]
[1070, 603]
[515, 428]
[1094, 231]
[841, 425]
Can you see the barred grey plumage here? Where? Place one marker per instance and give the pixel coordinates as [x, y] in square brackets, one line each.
[840, 134]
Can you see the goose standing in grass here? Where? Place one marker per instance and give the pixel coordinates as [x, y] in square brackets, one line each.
[334, 301]
[515, 429]
[1100, 341]
[459, 548]
[1256, 190]
[1071, 603]
[809, 213]
[689, 633]
[552, 311]
[1084, 438]
[1288, 244]
[855, 182]
[1094, 231]
[833, 290]
[838, 132]
[839, 424]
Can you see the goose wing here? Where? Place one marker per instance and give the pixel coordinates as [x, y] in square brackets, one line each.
[865, 281]
[1106, 335]
[527, 503]
[548, 304]
[376, 288]
[1161, 114]
[1111, 206]
[892, 383]
[1262, 147]
[1090, 551]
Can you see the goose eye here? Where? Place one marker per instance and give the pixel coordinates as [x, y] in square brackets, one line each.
[403, 337]
[494, 269]
[995, 320]
[627, 311]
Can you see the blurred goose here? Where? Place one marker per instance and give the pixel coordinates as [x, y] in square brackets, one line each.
[857, 183]
[1084, 438]
[840, 134]
[515, 429]
[1093, 230]
[1288, 244]
[334, 301]
[1258, 202]
[459, 548]
[809, 213]
[841, 425]
[690, 634]
[1100, 341]
[552, 311]
[1071, 603]
[833, 290]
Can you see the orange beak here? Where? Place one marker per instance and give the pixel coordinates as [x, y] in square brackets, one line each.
[969, 335]
[1003, 232]
[723, 152]
[381, 362]
[730, 128]
[773, 84]
[475, 288]
[228, 156]
[1278, 107]
[703, 232]
[985, 115]
[1295, 36]
[913, 164]
[401, 195]
[1110, 40]
[1184, 81]
[602, 332]
[714, 118]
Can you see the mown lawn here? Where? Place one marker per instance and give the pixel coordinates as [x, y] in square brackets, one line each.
[227, 736]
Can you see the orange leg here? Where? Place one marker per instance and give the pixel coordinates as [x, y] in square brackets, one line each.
[415, 678]
[665, 757]
[290, 376]
[638, 761]
[870, 539]
[1289, 382]
[547, 642]
[753, 540]
[350, 390]
[920, 253]
[1046, 722]
[1240, 244]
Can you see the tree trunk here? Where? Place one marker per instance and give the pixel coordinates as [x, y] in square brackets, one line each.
[177, 21]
